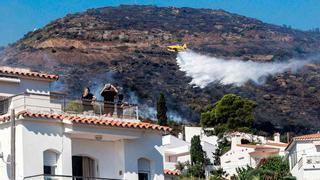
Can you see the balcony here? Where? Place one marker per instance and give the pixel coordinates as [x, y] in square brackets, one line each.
[57, 103]
[309, 162]
[170, 165]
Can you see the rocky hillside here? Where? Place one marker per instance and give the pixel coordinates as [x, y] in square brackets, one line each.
[127, 45]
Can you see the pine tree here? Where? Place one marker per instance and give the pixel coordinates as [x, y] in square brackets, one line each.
[162, 110]
[197, 157]
[196, 151]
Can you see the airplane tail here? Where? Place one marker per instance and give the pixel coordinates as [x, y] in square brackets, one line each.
[184, 46]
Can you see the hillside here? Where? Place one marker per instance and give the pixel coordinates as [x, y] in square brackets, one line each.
[127, 45]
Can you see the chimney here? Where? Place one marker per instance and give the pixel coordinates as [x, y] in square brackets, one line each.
[276, 137]
[180, 136]
[235, 140]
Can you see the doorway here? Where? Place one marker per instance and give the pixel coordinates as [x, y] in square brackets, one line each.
[83, 166]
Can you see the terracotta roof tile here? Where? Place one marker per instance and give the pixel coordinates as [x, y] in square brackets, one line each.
[4, 118]
[27, 73]
[171, 172]
[90, 120]
[315, 136]
[308, 137]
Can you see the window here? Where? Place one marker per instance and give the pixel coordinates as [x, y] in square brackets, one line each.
[83, 166]
[294, 158]
[50, 159]
[143, 169]
[4, 105]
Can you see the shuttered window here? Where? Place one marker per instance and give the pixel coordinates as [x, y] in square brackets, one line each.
[50, 160]
[143, 169]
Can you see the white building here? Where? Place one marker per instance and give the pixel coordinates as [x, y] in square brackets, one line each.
[50, 142]
[209, 143]
[303, 153]
[241, 155]
[176, 149]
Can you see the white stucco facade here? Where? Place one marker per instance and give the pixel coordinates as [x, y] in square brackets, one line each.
[209, 143]
[116, 159]
[174, 150]
[304, 157]
[46, 140]
[243, 155]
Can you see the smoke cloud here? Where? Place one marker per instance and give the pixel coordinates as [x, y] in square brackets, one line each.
[205, 70]
[150, 112]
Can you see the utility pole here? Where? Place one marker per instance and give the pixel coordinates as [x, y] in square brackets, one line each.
[13, 145]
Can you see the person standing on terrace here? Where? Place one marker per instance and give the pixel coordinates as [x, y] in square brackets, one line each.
[87, 100]
[108, 93]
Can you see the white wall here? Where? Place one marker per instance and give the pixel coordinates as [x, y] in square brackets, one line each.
[198, 131]
[173, 141]
[209, 143]
[301, 149]
[34, 136]
[209, 149]
[234, 158]
[143, 147]
[37, 137]
[107, 155]
[25, 85]
[5, 148]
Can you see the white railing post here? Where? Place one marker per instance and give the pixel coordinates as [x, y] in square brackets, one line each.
[24, 102]
[115, 110]
[137, 112]
[13, 145]
[100, 108]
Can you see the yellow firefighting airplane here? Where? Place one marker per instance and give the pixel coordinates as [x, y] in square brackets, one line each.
[177, 48]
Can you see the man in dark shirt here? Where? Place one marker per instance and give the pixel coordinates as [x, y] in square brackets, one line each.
[87, 99]
[108, 93]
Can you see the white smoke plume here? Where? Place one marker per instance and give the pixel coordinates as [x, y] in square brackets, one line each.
[150, 112]
[205, 69]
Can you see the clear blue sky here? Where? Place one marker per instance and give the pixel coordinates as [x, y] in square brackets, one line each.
[17, 17]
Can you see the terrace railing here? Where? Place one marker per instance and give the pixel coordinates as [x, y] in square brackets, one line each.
[61, 104]
[63, 177]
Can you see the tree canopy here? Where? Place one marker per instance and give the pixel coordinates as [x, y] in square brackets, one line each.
[273, 168]
[231, 112]
[197, 157]
[196, 151]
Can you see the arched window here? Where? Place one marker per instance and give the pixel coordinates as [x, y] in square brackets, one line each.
[144, 169]
[50, 160]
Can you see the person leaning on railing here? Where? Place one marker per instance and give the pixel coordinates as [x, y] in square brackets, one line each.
[108, 93]
[87, 100]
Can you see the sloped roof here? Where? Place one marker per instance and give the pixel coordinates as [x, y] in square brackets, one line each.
[102, 121]
[27, 73]
[307, 137]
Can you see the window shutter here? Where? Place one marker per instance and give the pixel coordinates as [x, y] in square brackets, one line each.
[143, 165]
[50, 158]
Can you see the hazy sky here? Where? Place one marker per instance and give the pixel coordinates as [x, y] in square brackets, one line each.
[17, 17]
